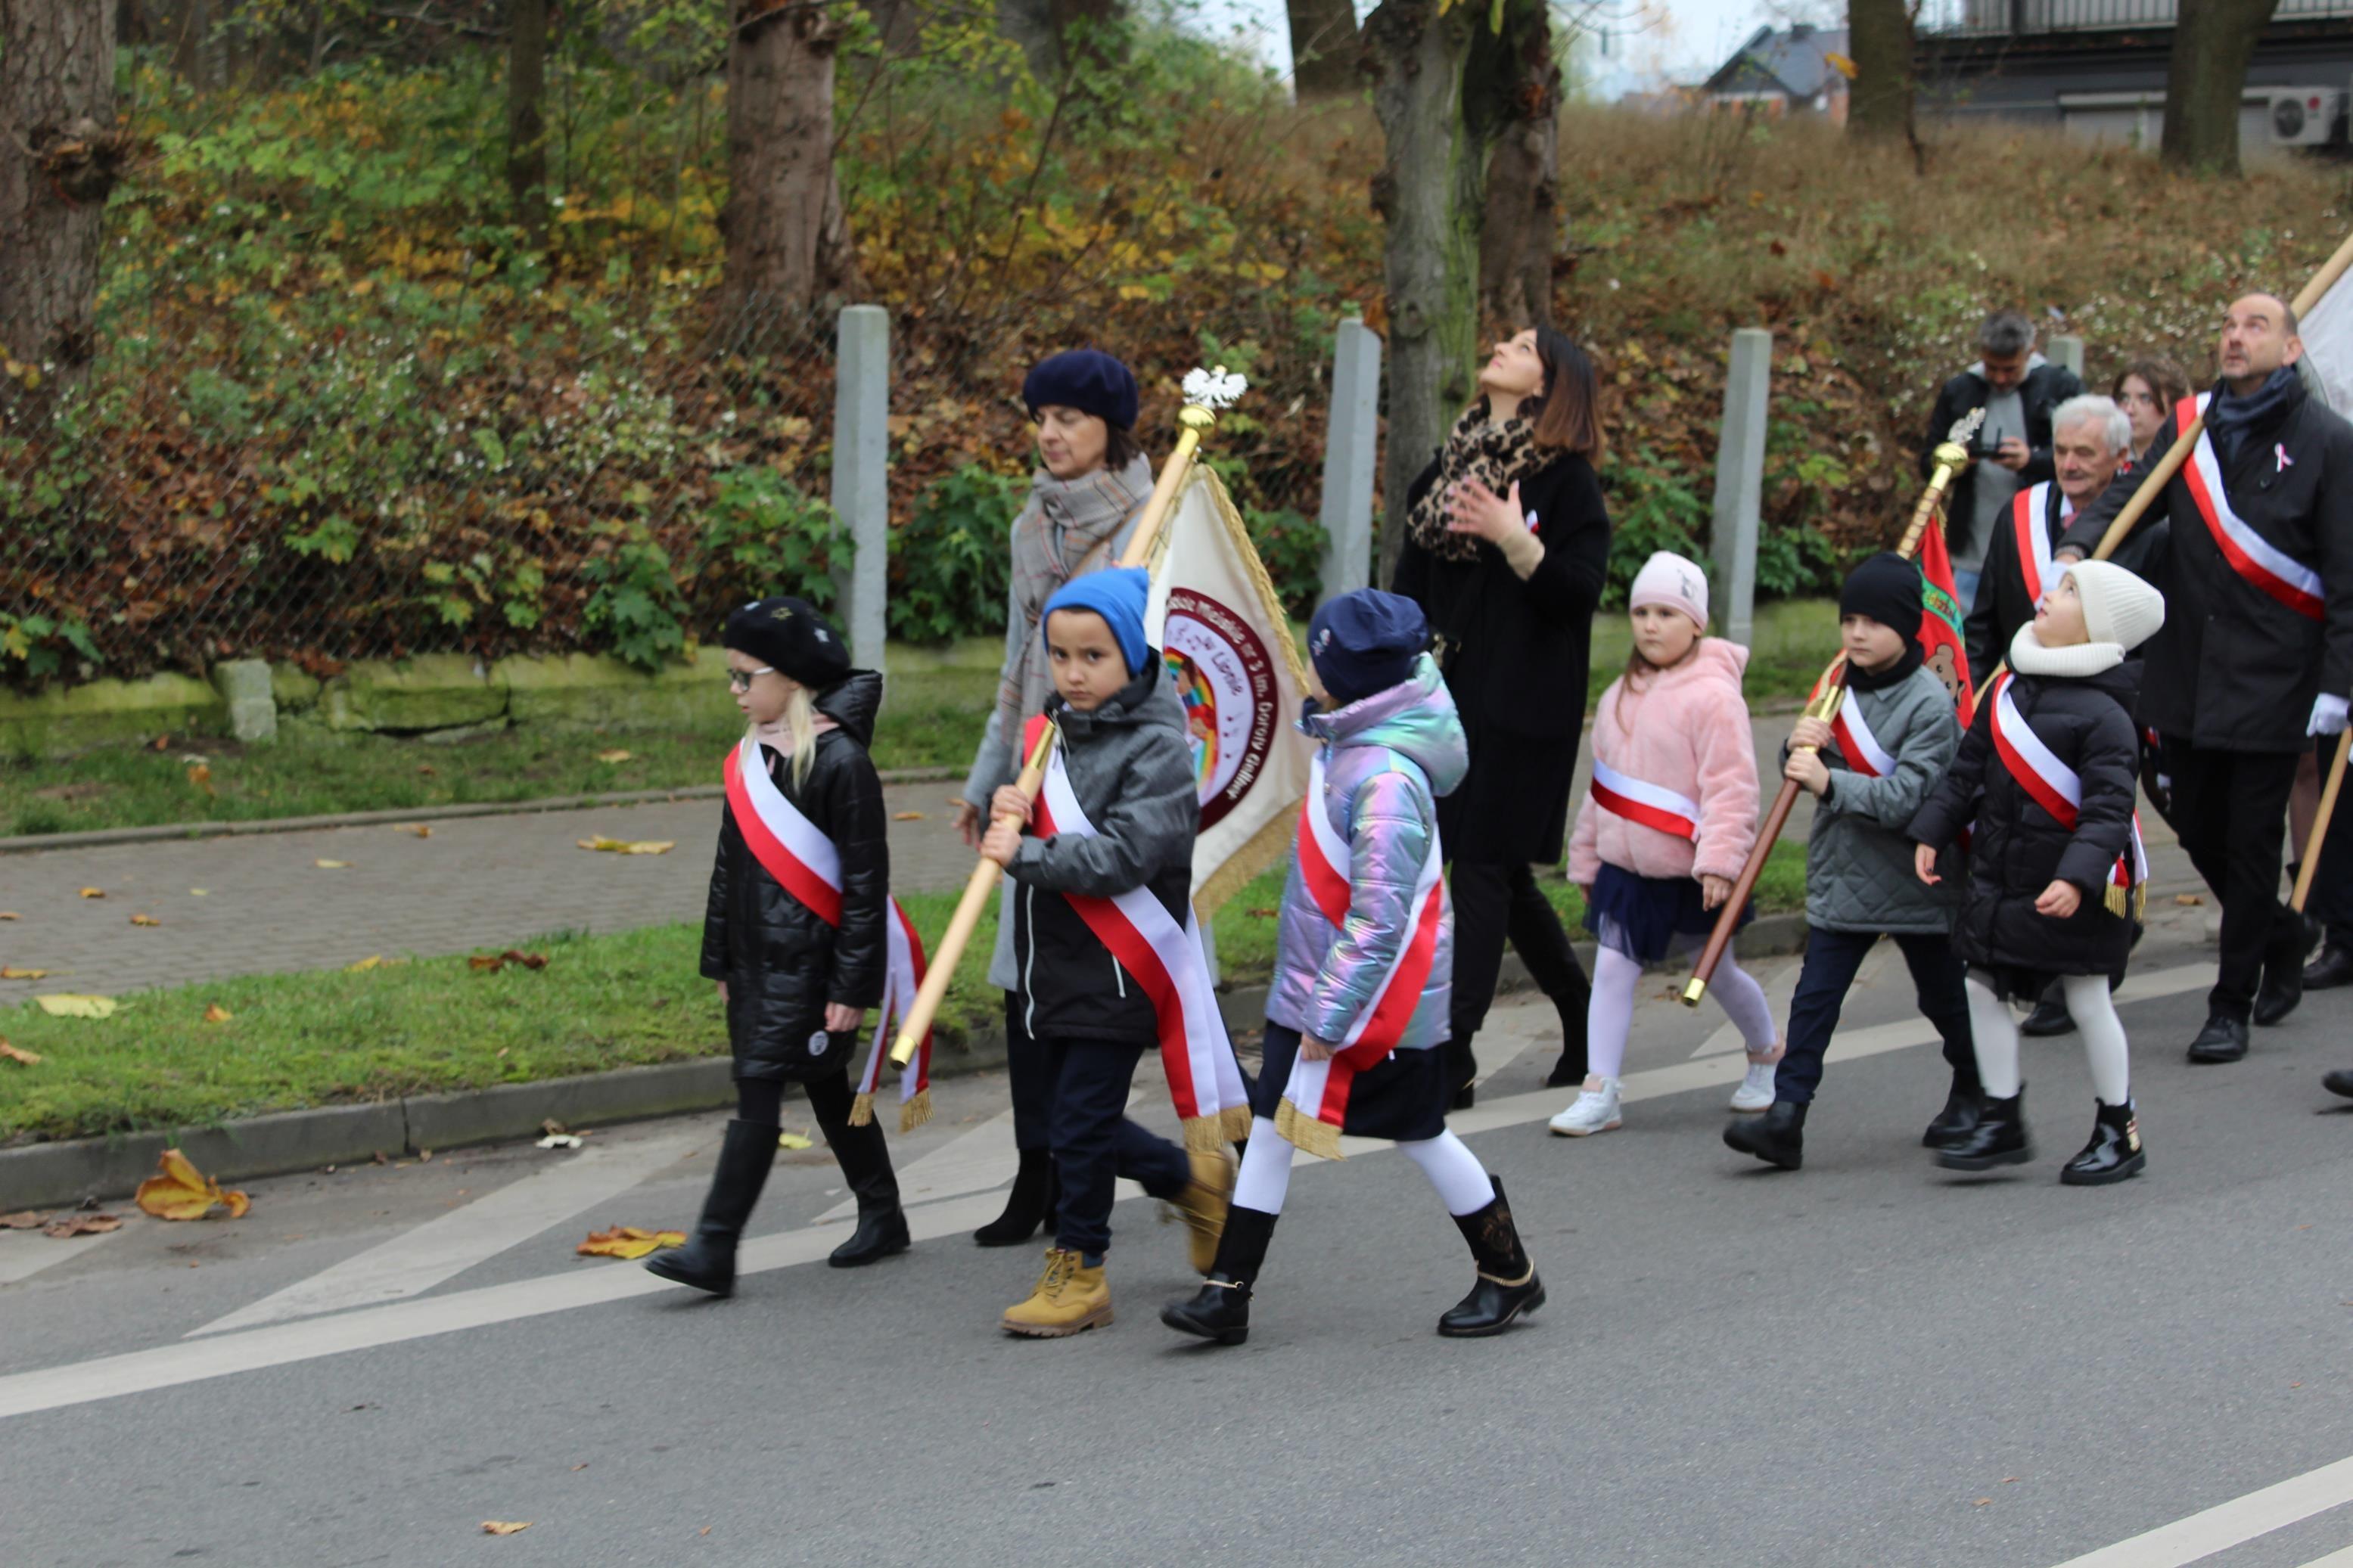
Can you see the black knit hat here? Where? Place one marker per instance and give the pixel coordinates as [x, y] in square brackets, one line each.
[790, 638]
[1886, 587]
[1088, 380]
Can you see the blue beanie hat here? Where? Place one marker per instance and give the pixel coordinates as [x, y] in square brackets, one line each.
[1117, 596]
[1365, 642]
[1088, 380]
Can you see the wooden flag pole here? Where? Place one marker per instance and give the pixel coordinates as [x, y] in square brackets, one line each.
[2320, 822]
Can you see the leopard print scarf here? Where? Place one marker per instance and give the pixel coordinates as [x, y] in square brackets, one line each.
[1494, 454]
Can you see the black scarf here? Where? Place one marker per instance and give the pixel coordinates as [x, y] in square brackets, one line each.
[2231, 419]
[1862, 679]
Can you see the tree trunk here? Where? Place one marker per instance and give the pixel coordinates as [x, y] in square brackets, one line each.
[526, 128]
[2212, 42]
[1323, 48]
[60, 152]
[1429, 194]
[1511, 97]
[787, 240]
[1879, 32]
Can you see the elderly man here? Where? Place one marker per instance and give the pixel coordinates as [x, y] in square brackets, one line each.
[2018, 388]
[2256, 656]
[2090, 437]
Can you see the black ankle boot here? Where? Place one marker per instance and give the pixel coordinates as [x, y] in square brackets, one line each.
[1507, 1285]
[2224, 1040]
[707, 1261]
[1220, 1311]
[1963, 1104]
[2050, 1015]
[1999, 1138]
[2113, 1154]
[1778, 1137]
[1573, 1064]
[2282, 983]
[865, 1161]
[1461, 1067]
[1029, 1205]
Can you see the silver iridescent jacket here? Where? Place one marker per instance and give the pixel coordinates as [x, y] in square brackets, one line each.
[1386, 760]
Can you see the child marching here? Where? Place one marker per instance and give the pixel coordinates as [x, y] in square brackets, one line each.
[1666, 828]
[1869, 770]
[800, 932]
[1109, 955]
[1357, 1014]
[2045, 784]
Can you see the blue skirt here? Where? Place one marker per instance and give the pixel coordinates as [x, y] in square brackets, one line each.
[1642, 917]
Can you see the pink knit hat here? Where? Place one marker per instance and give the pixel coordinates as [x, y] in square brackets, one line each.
[1669, 579]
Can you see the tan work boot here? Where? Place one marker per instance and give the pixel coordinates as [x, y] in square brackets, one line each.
[1068, 1298]
[1202, 1205]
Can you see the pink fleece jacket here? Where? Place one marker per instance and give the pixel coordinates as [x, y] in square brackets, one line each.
[1686, 730]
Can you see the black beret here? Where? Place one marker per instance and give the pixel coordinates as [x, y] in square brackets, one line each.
[1088, 380]
[790, 638]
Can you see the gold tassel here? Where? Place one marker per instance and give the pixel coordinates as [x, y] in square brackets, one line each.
[1307, 1134]
[1204, 1134]
[1235, 1122]
[861, 1110]
[915, 1112]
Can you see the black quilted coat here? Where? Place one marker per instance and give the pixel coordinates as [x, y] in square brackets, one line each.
[781, 962]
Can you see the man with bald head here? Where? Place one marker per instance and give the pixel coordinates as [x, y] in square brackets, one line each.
[2256, 654]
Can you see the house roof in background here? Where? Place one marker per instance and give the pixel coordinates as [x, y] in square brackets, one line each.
[1794, 60]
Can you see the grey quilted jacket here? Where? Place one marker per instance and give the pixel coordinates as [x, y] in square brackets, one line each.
[1386, 759]
[1858, 875]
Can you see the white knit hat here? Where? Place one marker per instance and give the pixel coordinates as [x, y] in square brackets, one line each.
[2119, 607]
[1669, 579]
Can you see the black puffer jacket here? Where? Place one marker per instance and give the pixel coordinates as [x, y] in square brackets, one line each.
[781, 962]
[2017, 849]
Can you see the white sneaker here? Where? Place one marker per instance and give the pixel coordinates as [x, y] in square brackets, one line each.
[1595, 1111]
[1756, 1091]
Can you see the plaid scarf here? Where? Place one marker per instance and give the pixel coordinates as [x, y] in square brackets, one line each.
[1495, 453]
[1067, 530]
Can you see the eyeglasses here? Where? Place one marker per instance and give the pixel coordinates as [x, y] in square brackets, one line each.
[741, 679]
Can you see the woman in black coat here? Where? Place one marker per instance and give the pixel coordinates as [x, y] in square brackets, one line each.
[1506, 552]
[795, 983]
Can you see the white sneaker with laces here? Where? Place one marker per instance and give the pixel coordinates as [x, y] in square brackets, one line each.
[1756, 1091]
[1595, 1110]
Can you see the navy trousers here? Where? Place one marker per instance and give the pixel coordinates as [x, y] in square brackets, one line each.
[1094, 1144]
[1832, 957]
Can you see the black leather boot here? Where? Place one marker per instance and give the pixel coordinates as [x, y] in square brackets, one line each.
[1778, 1137]
[1999, 1138]
[707, 1261]
[1507, 1285]
[2113, 1154]
[865, 1161]
[1220, 1311]
[1029, 1205]
[2050, 1015]
[1461, 1067]
[2283, 984]
[1963, 1105]
[1573, 1003]
[2332, 969]
[2224, 1040]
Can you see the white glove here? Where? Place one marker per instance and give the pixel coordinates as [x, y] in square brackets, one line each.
[2327, 716]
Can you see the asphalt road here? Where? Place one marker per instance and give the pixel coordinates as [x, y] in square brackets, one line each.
[1867, 1362]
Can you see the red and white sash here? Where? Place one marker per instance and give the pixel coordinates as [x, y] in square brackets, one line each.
[796, 853]
[1622, 794]
[1852, 730]
[1167, 960]
[2251, 556]
[2055, 786]
[1314, 1107]
[2034, 563]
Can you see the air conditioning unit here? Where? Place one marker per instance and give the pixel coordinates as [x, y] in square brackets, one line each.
[2302, 116]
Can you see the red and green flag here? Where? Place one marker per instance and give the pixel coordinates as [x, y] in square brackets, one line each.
[1945, 651]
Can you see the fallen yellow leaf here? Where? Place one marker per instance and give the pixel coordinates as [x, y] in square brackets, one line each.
[19, 1054]
[419, 828]
[145, 920]
[182, 1192]
[68, 1004]
[612, 756]
[24, 1219]
[216, 1014]
[10, 915]
[792, 1140]
[197, 893]
[2188, 900]
[9, 972]
[628, 846]
[505, 1526]
[628, 1241]
[332, 865]
[365, 964]
[201, 775]
[82, 1225]
[907, 817]
[93, 892]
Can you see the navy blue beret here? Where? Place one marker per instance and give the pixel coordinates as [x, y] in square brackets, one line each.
[1088, 380]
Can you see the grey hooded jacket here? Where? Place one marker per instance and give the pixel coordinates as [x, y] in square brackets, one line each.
[1858, 875]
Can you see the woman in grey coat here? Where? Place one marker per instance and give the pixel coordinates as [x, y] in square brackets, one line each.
[1090, 487]
[1869, 771]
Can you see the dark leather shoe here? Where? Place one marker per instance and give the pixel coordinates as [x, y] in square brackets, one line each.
[2332, 969]
[2050, 1018]
[2282, 986]
[2338, 1082]
[880, 1233]
[1778, 1137]
[1962, 1108]
[2113, 1154]
[2224, 1040]
[1219, 1311]
[1999, 1138]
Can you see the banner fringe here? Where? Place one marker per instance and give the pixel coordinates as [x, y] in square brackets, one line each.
[1307, 1134]
[1205, 1134]
[1262, 849]
[1235, 1120]
[861, 1110]
[913, 1114]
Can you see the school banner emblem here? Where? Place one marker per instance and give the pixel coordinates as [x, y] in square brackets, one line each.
[1217, 619]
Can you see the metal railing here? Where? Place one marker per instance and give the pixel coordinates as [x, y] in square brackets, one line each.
[2013, 18]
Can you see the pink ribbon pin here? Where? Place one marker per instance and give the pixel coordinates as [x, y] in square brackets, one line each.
[2279, 450]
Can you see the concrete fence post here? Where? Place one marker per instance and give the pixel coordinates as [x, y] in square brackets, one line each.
[861, 477]
[1740, 479]
[1350, 440]
[2068, 350]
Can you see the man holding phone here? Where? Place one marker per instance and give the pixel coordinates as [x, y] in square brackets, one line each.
[2018, 389]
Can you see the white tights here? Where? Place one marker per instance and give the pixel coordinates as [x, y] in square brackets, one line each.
[1996, 1033]
[1610, 1013]
[1265, 1180]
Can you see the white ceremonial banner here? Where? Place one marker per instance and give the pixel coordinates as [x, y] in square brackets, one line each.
[2328, 333]
[1217, 620]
